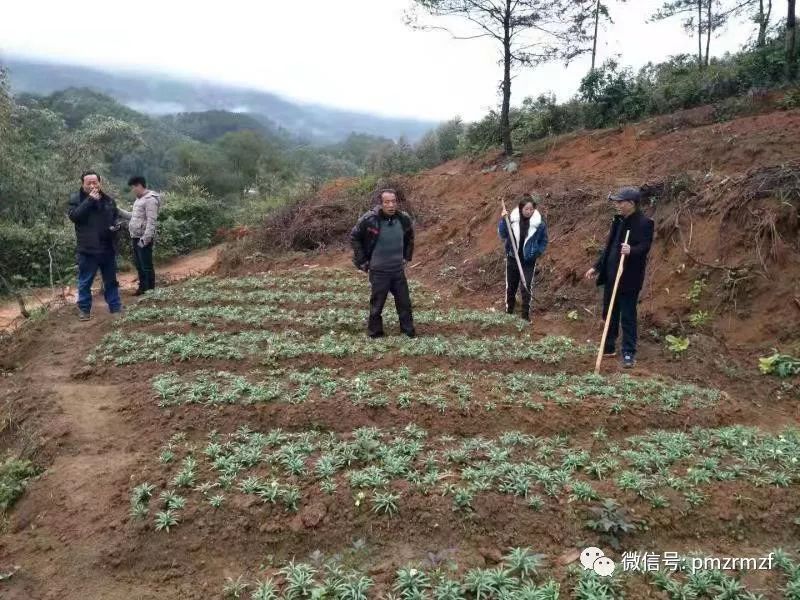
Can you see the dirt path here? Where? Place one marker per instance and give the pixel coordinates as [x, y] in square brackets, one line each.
[62, 525]
[180, 268]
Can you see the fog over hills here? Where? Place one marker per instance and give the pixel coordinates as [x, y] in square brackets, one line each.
[159, 94]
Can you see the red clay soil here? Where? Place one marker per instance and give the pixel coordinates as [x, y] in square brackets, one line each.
[97, 431]
[726, 202]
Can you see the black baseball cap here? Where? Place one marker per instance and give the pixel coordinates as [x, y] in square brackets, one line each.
[629, 194]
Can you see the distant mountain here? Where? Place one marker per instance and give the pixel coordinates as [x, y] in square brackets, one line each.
[164, 95]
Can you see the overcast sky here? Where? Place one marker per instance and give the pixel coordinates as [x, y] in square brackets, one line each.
[355, 54]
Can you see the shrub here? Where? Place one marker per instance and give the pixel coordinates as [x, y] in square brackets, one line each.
[14, 473]
[24, 258]
[189, 218]
[782, 365]
[481, 135]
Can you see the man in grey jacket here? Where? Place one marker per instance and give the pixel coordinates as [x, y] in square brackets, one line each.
[142, 228]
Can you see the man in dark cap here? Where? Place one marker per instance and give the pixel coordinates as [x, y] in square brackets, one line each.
[629, 219]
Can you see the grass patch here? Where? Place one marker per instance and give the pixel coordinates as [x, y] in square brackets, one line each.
[14, 475]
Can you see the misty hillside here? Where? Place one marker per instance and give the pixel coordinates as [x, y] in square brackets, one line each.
[164, 95]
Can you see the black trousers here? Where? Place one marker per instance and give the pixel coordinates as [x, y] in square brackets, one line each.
[382, 284]
[513, 282]
[624, 313]
[143, 259]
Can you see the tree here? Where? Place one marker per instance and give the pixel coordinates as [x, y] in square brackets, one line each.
[427, 150]
[791, 41]
[601, 12]
[708, 16]
[759, 11]
[762, 19]
[449, 136]
[529, 32]
[244, 149]
[699, 9]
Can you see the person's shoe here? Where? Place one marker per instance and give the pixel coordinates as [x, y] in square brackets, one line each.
[628, 361]
[609, 353]
[526, 317]
[84, 316]
[411, 334]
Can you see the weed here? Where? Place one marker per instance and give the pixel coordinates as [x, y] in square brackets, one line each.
[677, 345]
[536, 503]
[695, 291]
[14, 476]
[699, 318]
[781, 365]
[234, 588]
[611, 521]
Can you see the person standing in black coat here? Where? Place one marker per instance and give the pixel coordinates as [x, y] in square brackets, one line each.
[383, 242]
[96, 216]
[629, 218]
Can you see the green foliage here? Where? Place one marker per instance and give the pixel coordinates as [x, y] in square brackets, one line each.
[677, 345]
[791, 99]
[699, 319]
[393, 158]
[542, 117]
[189, 218]
[24, 257]
[482, 135]
[14, 474]
[779, 364]
[612, 96]
[610, 520]
[695, 291]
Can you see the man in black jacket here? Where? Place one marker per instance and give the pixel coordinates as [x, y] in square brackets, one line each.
[628, 219]
[383, 242]
[96, 216]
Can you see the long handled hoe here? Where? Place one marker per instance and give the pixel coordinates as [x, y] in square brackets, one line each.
[610, 309]
[515, 247]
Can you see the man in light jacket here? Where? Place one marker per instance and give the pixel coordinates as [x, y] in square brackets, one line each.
[142, 228]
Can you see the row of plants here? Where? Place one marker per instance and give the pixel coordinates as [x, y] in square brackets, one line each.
[378, 468]
[214, 295]
[519, 576]
[350, 318]
[123, 348]
[318, 279]
[437, 388]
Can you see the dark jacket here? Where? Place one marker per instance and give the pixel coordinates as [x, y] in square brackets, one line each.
[641, 237]
[365, 234]
[95, 222]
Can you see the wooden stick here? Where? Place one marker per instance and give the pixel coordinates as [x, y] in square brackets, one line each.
[610, 309]
[515, 248]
